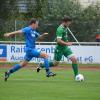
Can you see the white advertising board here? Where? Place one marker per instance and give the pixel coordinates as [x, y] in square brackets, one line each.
[84, 54]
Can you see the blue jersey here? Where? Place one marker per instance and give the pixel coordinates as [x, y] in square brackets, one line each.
[30, 36]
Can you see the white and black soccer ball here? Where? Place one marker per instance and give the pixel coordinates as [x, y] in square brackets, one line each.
[79, 78]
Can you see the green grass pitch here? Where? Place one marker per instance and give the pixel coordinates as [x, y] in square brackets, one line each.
[26, 84]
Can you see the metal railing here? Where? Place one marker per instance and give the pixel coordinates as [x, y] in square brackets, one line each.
[51, 43]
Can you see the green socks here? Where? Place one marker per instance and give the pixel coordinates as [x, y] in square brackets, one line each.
[74, 66]
[50, 64]
[75, 69]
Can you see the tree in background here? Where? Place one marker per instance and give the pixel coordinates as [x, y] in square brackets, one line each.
[86, 21]
[8, 11]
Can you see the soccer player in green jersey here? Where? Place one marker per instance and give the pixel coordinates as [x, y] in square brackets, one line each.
[62, 47]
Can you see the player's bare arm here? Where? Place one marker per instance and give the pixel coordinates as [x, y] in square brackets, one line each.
[42, 35]
[64, 43]
[13, 33]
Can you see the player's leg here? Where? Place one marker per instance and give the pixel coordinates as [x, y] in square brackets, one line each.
[42, 65]
[74, 65]
[55, 62]
[37, 53]
[51, 64]
[46, 64]
[15, 68]
[70, 55]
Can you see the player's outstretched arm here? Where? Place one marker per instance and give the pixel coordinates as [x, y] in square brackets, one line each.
[64, 43]
[42, 35]
[13, 33]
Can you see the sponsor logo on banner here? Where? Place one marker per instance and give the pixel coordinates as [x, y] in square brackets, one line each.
[3, 53]
[16, 53]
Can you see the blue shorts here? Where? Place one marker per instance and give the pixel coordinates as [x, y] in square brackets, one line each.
[30, 53]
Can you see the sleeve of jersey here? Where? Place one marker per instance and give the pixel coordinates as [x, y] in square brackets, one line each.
[25, 30]
[59, 33]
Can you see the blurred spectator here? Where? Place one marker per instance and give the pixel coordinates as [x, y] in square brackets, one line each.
[98, 37]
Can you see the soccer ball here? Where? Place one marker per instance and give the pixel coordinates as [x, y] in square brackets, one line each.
[79, 78]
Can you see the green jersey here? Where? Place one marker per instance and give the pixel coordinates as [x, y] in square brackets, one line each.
[60, 50]
[61, 33]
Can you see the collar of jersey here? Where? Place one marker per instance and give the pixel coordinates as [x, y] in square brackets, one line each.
[32, 28]
[63, 27]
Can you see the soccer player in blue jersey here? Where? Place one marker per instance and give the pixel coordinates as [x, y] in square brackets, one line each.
[31, 35]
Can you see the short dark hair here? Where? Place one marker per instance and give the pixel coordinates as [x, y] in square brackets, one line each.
[33, 20]
[66, 19]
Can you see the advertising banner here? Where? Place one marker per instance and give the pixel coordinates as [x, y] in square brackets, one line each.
[16, 53]
[3, 53]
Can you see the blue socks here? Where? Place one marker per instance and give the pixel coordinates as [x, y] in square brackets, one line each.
[46, 63]
[15, 68]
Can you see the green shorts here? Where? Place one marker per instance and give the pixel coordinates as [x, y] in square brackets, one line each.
[67, 52]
